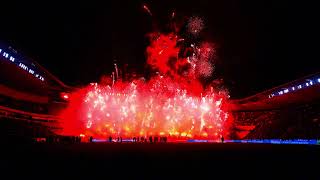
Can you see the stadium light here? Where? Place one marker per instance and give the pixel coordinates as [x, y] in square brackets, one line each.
[11, 58]
[31, 71]
[6, 55]
[319, 80]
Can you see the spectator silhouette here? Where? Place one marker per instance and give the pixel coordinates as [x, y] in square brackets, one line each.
[162, 139]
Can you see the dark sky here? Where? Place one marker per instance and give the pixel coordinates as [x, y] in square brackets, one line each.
[261, 44]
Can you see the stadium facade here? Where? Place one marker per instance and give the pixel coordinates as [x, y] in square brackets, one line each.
[289, 111]
[30, 96]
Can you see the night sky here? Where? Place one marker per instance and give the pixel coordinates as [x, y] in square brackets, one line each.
[260, 44]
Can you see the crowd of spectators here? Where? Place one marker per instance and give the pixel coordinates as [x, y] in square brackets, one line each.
[17, 130]
[23, 105]
[294, 122]
[59, 139]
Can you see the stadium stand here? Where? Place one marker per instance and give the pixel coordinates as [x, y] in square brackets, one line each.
[278, 113]
[30, 97]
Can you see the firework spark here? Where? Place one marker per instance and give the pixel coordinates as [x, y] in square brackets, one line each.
[145, 7]
[205, 59]
[195, 25]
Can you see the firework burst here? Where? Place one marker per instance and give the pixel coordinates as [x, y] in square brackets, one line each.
[173, 103]
[195, 25]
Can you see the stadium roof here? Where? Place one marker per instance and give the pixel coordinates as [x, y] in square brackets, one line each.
[303, 90]
[16, 65]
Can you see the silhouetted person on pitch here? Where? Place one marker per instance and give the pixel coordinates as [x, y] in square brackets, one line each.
[110, 139]
[134, 139]
[222, 139]
[150, 139]
[120, 139]
[91, 138]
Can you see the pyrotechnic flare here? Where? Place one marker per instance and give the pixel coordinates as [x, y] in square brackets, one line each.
[116, 69]
[113, 78]
[160, 106]
[145, 7]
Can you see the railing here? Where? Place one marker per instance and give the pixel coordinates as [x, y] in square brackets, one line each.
[50, 121]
